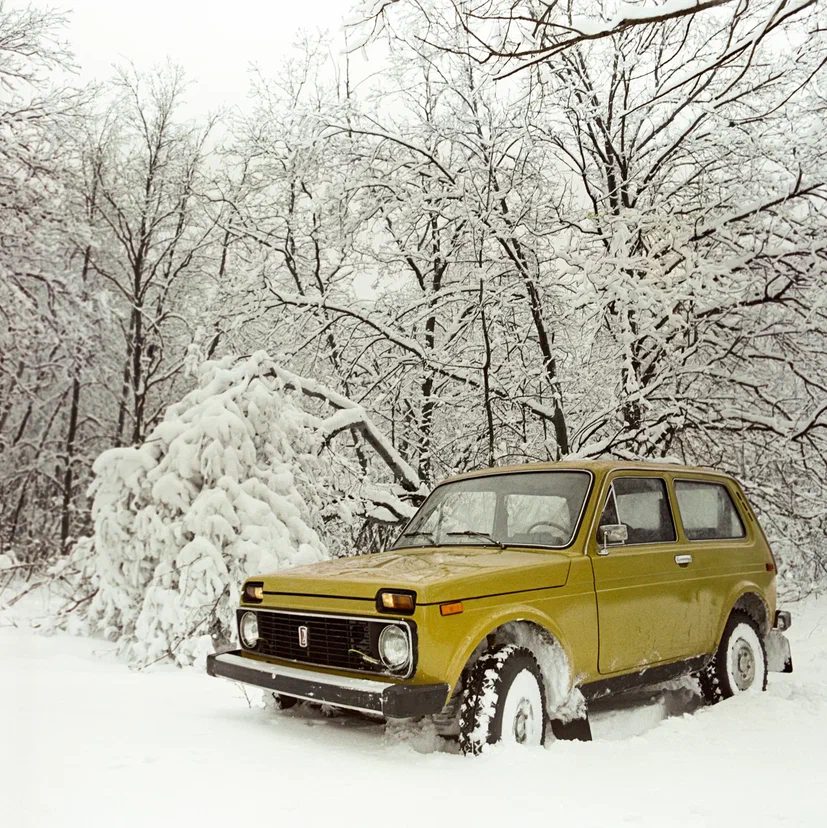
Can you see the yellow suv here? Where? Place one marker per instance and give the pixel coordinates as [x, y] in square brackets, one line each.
[516, 595]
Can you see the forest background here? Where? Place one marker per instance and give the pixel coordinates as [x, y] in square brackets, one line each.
[527, 231]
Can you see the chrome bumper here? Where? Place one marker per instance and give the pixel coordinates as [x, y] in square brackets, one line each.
[393, 701]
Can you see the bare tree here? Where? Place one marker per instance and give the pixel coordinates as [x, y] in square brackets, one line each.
[42, 310]
[153, 236]
[516, 35]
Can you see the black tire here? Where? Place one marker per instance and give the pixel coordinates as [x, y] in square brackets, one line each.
[274, 701]
[723, 678]
[486, 695]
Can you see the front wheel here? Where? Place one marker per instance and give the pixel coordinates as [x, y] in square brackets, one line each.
[740, 665]
[503, 701]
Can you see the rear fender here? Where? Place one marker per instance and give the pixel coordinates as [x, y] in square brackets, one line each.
[737, 593]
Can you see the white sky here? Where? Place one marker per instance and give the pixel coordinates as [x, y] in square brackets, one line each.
[214, 40]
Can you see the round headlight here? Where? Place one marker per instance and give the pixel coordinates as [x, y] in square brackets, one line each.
[248, 629]
[394, 647]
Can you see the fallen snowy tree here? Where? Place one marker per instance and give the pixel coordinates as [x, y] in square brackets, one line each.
[232, 482]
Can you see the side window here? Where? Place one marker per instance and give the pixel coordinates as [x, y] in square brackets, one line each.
[643, 505]
[707, 511]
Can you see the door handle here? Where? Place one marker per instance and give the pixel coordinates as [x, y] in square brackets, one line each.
[683, 560]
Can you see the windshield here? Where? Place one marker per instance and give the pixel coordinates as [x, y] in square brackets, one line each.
[517, 509]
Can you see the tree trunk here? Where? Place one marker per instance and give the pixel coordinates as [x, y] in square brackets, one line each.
[68, 475]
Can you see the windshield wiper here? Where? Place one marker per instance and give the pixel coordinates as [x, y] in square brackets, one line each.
[474, 533]
[428, 535]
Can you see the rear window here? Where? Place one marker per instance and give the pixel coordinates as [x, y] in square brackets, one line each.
[707, 511]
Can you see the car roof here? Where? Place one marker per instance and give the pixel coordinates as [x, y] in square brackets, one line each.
[598, 467]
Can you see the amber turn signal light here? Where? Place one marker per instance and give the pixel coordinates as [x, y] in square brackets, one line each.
[451, 609]
[392, 601]
[254, 593]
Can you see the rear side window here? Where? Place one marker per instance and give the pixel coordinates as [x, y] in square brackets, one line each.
[643, 505]
[707, 511]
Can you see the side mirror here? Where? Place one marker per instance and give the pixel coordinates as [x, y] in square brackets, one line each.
[614, 533]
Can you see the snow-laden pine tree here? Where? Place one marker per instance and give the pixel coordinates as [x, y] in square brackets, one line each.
[224, 487]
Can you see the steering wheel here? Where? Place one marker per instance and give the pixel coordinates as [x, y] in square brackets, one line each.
[565, 531]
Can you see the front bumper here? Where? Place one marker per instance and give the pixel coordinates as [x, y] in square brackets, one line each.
[393, 701]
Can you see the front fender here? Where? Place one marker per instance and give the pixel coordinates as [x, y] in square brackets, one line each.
[513, 613]
[567, 613]
[447, 643]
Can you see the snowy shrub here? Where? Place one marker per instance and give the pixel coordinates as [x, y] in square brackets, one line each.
[226, 486]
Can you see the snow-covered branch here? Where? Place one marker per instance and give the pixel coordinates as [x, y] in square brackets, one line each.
[351, 416]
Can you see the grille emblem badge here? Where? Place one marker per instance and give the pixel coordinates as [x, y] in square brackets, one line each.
[303, 636]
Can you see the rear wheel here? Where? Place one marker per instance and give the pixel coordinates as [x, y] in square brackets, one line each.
[503, 701]
[740, 665]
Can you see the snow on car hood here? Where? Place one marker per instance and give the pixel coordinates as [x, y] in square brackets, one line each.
[435, 574]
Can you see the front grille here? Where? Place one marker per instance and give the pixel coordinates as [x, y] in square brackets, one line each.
[331, 640]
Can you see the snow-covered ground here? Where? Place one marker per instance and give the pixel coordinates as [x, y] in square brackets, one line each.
[84, 741]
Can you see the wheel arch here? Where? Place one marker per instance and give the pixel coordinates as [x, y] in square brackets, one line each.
[746, 598]
[525, 626]
[717, 679]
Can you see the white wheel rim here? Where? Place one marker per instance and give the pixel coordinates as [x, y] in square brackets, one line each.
[745, 660]
[523, 711]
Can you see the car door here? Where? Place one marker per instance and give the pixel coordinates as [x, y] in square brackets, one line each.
[645, 600]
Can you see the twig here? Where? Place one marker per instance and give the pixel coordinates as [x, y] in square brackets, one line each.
[25, 593]
[78, 603]
[170, 653]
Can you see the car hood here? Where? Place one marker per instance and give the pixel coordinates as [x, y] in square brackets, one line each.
[435, 574]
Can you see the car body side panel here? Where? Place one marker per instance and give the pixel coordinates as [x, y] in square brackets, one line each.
[568, 613]
[646, 607]
[724, 570]
[722, 574]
